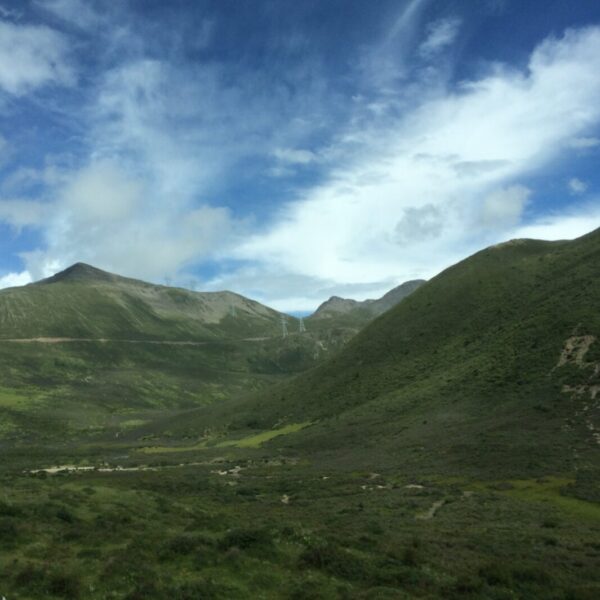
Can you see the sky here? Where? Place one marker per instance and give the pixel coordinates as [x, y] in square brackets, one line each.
[290, 151]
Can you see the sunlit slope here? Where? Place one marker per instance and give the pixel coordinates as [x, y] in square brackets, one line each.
[85, 302]
[466, 370]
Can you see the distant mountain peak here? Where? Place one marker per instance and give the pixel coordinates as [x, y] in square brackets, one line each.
[80, 272]
[337, 305]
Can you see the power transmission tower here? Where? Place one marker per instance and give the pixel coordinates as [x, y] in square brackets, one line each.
[232, 310]
[301, 326]
[284, 329]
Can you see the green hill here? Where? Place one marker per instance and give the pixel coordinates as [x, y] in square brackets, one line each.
[492, 366]
[86, 352]
[85, 302]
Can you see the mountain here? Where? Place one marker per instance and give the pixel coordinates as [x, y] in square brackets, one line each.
[85, 351]
[85, 302]
[368, 309]
[493, 366]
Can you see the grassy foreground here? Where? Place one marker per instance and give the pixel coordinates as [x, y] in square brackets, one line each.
[263, 526]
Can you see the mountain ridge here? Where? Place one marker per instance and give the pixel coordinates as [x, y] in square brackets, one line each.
[337, 305]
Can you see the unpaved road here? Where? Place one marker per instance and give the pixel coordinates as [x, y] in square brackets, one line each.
[107, 469]
[67, 340]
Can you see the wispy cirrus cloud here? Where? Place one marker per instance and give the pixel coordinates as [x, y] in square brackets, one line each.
[440, 35]
[79, 13]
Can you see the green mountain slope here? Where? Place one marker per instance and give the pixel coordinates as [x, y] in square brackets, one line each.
[464, 373]
[85, 302]
[87, 352]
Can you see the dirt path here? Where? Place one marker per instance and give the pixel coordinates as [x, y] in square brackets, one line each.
[106, 469]
[67, 340]
[431, 512]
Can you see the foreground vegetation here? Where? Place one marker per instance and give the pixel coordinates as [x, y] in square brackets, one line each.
[264, 526]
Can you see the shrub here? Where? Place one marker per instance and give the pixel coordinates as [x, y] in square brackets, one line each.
[8, 531]
[245, 539]
[64, 514]
[496, 574]
[63, 585]
[334, 560]
[9, 510]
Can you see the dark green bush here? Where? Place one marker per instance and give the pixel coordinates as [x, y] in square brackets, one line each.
[496, 574]
[245, 539]
[336, 561]
[9, 510]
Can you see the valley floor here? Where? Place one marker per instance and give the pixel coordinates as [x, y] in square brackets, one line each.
[252, 522]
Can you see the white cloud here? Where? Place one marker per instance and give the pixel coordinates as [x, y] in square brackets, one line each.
[31, 57]
[101, 194]
[583, 143]
[441, 34]
[576, 186]
[76, 12]
[22, 213]
[455, 161]
[15, 279]
[419, 224]
[504, 208]
[385, 63]
[565, 225]
[296, 156]
[107, 218]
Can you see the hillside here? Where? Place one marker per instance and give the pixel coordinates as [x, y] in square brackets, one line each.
[366, 309]
[87, 353]
[492, 366]
[85, 302]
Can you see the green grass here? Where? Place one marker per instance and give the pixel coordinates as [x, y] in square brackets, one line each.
[189, 533]
[251, 441]
[256, 441]
[550, 489]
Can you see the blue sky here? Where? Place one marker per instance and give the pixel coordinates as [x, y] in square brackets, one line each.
[292, 150]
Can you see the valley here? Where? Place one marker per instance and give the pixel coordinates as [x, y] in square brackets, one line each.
[155, 443]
